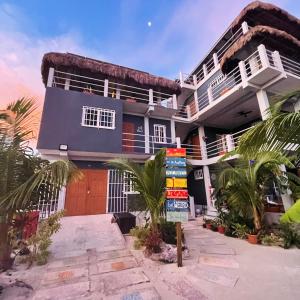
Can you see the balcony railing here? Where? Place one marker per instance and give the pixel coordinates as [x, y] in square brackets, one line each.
[290, 66]
[130, 94]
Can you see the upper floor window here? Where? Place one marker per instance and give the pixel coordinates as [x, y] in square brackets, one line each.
[98, 117]
[160, 133]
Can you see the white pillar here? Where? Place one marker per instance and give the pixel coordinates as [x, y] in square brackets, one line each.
[210, 94]
[151, 102]
[243, 73]
[216, 60]
[287, 200]
[188, 111]
[192, 207]
[201, 134]
[178, 142]
[174, 101]
[205, 70]
[196, 100]
[195, 79]
[229, 142]
[173, 131]
[105, 93]
[181, 78]
[263, 56]
[277, 61]
[61, 198]
[207, 183]
[245, 27]
[67, 83]
[50, 77]
[263, 103]
[147, 134]
[118, 93]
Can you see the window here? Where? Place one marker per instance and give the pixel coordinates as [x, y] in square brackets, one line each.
[98, 117]
[128, 187]
[160, 135]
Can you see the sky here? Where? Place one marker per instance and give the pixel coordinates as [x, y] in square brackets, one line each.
[162, 37]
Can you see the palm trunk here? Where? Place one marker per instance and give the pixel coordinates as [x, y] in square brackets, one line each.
[257, 219]
[5, 249]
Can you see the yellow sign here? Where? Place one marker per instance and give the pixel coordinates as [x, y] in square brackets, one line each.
[176, 183]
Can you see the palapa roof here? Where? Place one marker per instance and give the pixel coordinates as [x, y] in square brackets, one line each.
[261, 13]
[272, 38]
[72, 63]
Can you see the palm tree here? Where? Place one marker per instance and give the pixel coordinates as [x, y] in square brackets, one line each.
[244, 184]
[149, 181]
[23, 174]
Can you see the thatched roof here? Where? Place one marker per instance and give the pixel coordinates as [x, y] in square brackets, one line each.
[260, 13]
[272, 38]
[77, 64]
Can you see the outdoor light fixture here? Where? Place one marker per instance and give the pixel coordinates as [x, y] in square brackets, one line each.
[63, 147]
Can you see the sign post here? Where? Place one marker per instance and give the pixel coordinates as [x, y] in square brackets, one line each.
[176, 194]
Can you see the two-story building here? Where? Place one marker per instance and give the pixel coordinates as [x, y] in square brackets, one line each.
[95, 111]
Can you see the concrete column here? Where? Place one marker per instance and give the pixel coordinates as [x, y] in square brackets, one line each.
[105, 93]
[216, 60]
[196, 100]
[243, 73]
[174, 101]
[201, 134]
[188, 111]
[245, 27]
[229, 142]
[192, 207]
[263, 56]
[277, 61]
[263, 103]
[50, 77]
[205, 70]
[206, 176]
[181, 78]
[287, 200]
[173, 131]
[195, 80]
[151, 102]
[118, 93]
[178, 142]
[210, 95]
[67, 83]
[61, 198]
[147, 134]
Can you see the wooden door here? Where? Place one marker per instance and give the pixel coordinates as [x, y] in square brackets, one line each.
[128, 137]
[196, 147]
[87, 196]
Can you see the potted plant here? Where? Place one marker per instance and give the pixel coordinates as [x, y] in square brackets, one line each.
[208, 223]
[252, 236]
[221, 227]
[214, 225]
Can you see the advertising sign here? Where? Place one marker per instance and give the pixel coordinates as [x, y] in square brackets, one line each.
[177, 194]
[177, 216]
[175, 162]
[177, 205]
[176, 183]
[176, 172]
[176, 152]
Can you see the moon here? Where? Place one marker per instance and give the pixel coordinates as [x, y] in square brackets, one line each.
[149, 24]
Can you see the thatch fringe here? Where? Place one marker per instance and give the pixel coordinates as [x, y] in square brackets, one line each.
[73, 63]
[268, 34]
[260, 13]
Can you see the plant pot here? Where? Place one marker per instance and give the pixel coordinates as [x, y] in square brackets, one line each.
[221, 229]
[214, 228]
[252, 238]
[208, 226]
[204, 225]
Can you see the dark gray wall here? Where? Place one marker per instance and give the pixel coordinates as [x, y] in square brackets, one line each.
[196, 188]
[61, 123]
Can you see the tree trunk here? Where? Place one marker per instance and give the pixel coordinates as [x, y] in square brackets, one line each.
[5, 249]
[257, 219]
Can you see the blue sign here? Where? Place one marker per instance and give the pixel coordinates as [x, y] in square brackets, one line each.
[177, 205]
[175, 162]
[176, 172]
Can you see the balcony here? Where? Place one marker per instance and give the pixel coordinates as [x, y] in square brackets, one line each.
[136, 99]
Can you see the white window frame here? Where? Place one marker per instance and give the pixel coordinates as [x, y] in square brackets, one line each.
[128, 187]
[158, 139]
[99, 111]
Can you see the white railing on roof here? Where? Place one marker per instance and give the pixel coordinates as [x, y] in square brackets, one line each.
[131, 94]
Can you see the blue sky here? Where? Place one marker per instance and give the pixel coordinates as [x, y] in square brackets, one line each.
[182, 32]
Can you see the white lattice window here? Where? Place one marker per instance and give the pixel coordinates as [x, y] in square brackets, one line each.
[98, 117]
[128, 187]
[160, 134]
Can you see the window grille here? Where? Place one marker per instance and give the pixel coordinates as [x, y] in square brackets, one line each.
[98, 117]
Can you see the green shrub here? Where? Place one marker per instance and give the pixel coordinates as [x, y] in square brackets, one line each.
[141, 234]
[240, 230]
[290, 232]
[168, 231]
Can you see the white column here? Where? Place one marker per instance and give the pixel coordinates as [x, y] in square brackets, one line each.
[287, 200]
[105, 93]
[67, 83]
[201, 134]
[277, 61]
[263, 103]
[151, 97]
[50, 77]
[195, 80]
[243, 73]
[207, 183]
[181, 78]
[174, 101]
[118, 93]
[229, 142]
[205, 70]
[196, 100]
[178, 142]
[188, 111]
[216, 60]
[61, 198]
[192, 207]
[210, 94]
[147, 134]
[245, 27]
[263, 56]
[173, 131]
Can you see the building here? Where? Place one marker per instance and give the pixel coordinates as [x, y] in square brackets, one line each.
[95, 111]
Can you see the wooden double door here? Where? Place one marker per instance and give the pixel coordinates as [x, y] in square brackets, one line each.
[87, 196]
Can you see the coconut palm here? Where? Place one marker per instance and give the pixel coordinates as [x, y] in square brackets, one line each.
[245, 182]
[149, 181]
[23, 174]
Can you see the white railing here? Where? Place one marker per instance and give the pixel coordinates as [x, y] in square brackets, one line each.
[216, 148]
[236, 136]
[253, 64]
[290, 66]
[192, 151]
[203, 100]
[131, 94]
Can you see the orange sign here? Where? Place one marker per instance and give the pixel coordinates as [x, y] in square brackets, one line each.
[177, 194]
[176, 152]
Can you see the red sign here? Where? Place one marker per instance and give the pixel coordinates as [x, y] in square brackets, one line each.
[176, 152]
[177, 194]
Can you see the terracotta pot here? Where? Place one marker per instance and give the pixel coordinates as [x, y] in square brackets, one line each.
[208, 226]
[252, 238]
[204, 225]
[221, 229]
